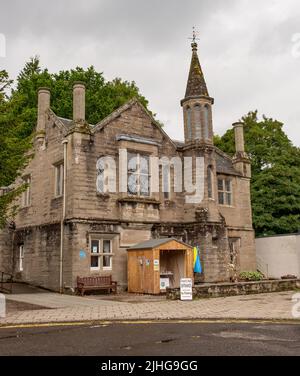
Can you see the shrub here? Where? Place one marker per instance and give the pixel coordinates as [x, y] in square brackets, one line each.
[251, 276]
[289, 276]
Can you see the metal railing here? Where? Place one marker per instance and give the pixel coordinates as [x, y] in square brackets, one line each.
[6, 282]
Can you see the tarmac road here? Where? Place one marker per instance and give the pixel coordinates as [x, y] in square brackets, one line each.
[167, 338]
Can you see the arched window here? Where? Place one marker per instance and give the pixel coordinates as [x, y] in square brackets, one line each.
[106, 175]
[189, 122]
[100, 176]
[209, 182]
[206, 121]
[197, 117]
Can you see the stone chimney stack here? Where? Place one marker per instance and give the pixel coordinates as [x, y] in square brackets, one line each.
[43, 106]
[241, 160]
[79, 101]
[239, 137]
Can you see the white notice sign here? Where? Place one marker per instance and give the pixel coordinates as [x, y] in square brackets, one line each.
[186, 289]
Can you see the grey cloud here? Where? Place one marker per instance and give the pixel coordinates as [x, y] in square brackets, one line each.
[245, 50]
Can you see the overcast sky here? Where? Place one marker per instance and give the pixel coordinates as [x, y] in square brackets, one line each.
[245, 49]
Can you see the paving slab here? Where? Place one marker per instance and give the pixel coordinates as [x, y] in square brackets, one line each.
[54, 300]
[65, 308]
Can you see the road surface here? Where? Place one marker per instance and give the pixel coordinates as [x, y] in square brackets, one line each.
[171, 339]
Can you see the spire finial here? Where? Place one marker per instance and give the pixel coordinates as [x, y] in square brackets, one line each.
[193, 39]
[196, 85]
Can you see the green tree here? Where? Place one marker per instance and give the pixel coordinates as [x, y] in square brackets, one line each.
[275, 188]
[18, 112]
[102, 97]
[13, 148]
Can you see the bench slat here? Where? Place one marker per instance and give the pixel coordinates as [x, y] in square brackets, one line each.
[96, 282]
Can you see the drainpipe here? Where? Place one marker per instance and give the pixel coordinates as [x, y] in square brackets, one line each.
[62, 224]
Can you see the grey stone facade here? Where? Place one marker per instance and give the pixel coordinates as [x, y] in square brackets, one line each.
[222, 230]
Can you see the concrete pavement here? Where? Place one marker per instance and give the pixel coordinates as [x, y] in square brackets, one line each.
[58, 308]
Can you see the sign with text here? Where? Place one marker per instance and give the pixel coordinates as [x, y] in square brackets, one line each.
[186, 289]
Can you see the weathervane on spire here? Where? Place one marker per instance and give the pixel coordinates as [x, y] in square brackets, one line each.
[193, 39]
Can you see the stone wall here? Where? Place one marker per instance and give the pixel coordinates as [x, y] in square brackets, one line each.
[41, 255]
[240, 288]
[6, 261]
[107, 141]
[44, 206]
[278, 256]
[132, 219]
[212, 240]
[247, 255]
[77, 250]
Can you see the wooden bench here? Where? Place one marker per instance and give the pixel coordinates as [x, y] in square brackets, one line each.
[96, 283]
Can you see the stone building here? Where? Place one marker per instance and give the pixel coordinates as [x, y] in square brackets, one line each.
[70, 225]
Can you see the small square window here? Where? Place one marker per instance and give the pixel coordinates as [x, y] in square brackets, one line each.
[228, 185]
[107, 260]
[221, 198]
[95, 264]
[106, 246]
[101, 254]
[225, 191]
[95, 246]
[228, 198]
[220, 184]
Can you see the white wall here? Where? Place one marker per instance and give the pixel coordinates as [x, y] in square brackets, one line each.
[278, 255]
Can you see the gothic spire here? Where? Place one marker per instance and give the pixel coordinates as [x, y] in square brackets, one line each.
[196, 85]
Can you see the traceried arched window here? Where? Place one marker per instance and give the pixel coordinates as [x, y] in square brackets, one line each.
[206, 121]
[106, 175]
[197, 117]
[209, 182]
[189, 122]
